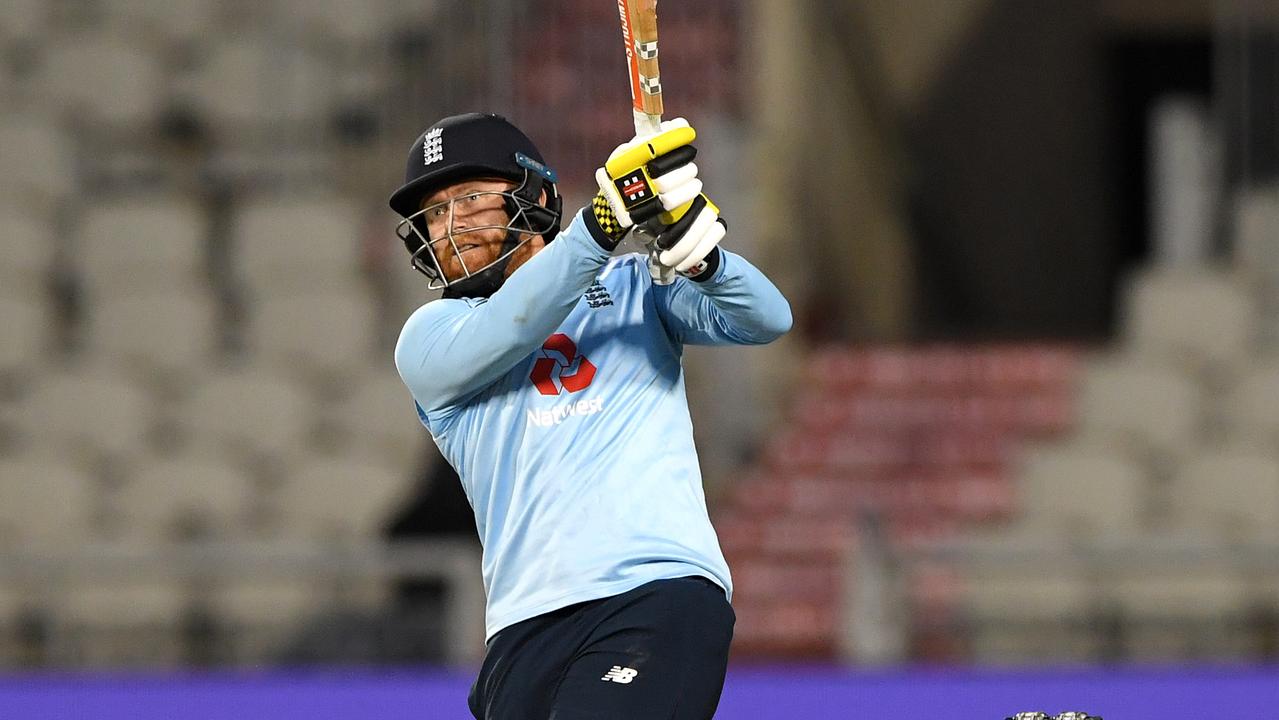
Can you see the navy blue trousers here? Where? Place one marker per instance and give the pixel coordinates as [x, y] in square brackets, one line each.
[658, 652]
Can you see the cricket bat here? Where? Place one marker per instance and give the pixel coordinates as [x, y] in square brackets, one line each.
[639, 32]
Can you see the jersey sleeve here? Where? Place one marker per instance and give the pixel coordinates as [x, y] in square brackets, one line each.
[738, 305]
[450, 349]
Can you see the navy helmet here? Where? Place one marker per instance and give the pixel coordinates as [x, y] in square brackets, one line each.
[470, 146]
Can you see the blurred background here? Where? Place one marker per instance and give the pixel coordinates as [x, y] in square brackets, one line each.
[1028, 418]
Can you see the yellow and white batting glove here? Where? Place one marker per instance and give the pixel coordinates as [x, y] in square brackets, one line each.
[652, 176]
[686, 246]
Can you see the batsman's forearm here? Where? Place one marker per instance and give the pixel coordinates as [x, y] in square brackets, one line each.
[735, 305]
[747, 305]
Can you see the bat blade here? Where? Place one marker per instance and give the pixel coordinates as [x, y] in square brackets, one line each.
[639, 32]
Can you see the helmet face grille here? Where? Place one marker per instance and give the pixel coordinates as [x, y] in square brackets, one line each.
[436, 239]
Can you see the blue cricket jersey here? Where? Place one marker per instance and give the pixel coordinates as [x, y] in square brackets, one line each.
[560, 402]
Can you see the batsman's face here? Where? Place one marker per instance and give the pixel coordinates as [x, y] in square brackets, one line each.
[467, 223]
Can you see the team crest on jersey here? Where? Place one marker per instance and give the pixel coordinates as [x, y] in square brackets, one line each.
[560, 368]
[433, 146]
[597, 296]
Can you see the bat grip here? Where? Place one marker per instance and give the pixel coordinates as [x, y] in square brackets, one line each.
[646, 124]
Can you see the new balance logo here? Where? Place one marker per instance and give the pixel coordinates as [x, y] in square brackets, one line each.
[620, 674]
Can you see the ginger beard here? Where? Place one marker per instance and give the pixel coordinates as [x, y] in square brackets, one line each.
[467, 223]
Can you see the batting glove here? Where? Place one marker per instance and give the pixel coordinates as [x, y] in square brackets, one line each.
[687, 246]
[650, 176]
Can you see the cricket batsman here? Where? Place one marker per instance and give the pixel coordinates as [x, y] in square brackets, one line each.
[549, 375]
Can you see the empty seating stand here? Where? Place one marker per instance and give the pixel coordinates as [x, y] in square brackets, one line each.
[378, 423]
[923, 440]
[78, 68]
[138, 245]
[293, 245]
[26, 256]
[248, 415]
[1203, 318]
[41, 165]
[1146, 406]
[190, 340]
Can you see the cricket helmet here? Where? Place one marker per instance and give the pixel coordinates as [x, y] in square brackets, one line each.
[471, 146]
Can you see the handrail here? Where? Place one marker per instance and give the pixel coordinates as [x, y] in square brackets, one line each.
[457, 563]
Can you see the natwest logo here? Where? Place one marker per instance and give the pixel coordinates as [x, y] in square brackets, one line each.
[559, 366]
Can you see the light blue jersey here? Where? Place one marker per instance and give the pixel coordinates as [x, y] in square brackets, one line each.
[560, 402]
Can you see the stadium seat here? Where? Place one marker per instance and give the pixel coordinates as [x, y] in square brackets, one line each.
[1251, 408]
[350, 21]
[26, 329]
[1080, 491]
[1256, 218]
[102, 79]
[1233, 494]
[22, 18]
[323, 336]
[44, 504]
[266, 601]
[1019, 604]
[184, 499]
[19, 599]
[789, 578]
[380, 423]
[265, 607]
[26, 256]
[39, 164]
[160, 337]
[1204, 317]
[166, 20]
[1179, 610]
[1147, 406]
[247, 414]
[340, 500]
[141, 245]
[89, 413]
[284, 246]
[123, 620]
[124, 601]
[787, 536]
[802, 629]
[252, 80]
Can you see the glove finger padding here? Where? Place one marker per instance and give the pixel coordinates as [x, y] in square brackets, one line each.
[710, 240]
[680, 176]
[686, 243]
[677, 189]
[692, 239]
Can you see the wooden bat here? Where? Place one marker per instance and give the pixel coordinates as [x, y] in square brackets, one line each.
[639, 32]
